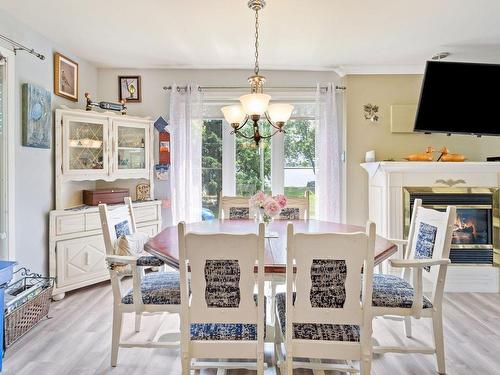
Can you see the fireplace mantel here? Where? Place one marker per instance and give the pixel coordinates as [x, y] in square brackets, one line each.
[387, 183]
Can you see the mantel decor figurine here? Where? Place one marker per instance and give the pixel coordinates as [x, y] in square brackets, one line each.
[425, 156]
[446, 156]
[119, 107]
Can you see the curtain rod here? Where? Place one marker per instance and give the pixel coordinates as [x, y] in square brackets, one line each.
[19, 47]
[338, 88]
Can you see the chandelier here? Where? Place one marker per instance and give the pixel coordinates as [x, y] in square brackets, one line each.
[255, 105]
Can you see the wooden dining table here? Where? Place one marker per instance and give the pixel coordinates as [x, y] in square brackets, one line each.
[165, 244]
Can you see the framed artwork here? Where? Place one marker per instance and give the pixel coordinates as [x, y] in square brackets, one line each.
[129, 88]
[36, 115]
[65, 77]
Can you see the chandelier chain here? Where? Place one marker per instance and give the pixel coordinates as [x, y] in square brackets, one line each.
[256, 69]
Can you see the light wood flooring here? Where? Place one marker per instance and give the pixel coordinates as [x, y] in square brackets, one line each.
[76, 341]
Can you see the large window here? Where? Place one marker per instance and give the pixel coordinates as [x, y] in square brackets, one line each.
[299, 160]
[235, 165]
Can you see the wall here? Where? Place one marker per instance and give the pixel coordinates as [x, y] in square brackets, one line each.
[362, 135]
[34, 168]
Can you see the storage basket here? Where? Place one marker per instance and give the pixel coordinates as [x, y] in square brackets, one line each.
[27, 303]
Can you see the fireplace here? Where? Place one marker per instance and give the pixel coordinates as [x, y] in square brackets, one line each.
[474, 238]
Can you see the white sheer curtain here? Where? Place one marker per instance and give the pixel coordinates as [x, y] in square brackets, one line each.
[186, 122]
[328, 156]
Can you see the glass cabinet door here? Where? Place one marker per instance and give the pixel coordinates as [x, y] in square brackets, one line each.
[131, 146]
[86, 145]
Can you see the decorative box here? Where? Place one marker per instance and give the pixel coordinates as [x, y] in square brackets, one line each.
[107, 196]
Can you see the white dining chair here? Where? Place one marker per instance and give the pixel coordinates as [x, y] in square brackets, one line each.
[297, 208]
[221, 318]
[235, 208]
[426, 256]
[155, 292]
[321, 317]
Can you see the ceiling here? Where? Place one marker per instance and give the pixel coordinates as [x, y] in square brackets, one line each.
[362, 36]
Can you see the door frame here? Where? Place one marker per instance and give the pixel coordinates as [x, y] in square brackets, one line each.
[9, 153]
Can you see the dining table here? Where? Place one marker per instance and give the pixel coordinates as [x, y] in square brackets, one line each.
[165, 244]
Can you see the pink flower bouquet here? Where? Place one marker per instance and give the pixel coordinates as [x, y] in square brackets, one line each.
[269, 207]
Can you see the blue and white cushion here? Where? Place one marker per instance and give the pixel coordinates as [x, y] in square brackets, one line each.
[158, 288]
[239, 213]
[393, 291]
[315, 331]
[424, 246]
[290, 213]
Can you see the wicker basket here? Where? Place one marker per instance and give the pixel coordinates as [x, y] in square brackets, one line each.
[24, 317]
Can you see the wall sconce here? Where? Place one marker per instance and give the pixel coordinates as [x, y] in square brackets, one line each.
[371, 112]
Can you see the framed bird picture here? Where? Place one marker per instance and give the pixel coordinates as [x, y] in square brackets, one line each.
[65, 77]
[129, 89]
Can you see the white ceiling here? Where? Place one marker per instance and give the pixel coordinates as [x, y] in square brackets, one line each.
[347, 35]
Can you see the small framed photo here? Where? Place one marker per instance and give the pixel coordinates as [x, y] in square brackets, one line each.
[65, 77]
[129, 88]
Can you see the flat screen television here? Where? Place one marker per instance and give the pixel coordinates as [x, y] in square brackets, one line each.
[460, 98]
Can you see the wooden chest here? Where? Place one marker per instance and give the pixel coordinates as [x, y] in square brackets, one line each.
[108, 196]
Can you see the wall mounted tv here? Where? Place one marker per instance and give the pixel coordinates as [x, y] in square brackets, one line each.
[459, 98]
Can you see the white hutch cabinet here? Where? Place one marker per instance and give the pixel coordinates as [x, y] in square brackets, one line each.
[95, 150]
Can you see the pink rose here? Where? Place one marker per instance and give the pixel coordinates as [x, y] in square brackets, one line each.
[257, 200]
[271, 207]
[281, 199]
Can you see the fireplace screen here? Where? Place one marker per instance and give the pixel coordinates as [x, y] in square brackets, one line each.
[472, 226]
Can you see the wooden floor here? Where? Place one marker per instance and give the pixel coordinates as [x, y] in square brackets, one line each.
[77, 341]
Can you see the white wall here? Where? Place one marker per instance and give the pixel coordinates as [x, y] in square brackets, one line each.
[34, 168]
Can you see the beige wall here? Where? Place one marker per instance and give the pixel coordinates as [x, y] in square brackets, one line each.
[362, 135]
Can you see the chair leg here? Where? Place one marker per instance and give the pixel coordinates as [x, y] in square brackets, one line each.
[116, 333]
[437, 328]
[260, 364]
[365, 365]
[289, 364]
[138, 318]
[408, 326]
[186, 364]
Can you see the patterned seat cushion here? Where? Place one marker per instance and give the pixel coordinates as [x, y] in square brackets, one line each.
[223, 331]
[149, 261]
[159, 288]
[313, 331]
[393, 291]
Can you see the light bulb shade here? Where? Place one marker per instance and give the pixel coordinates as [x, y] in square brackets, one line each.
[234, 114]
[280, 112]
[255, 104]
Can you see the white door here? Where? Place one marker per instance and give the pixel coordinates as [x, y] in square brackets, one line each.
[6, 154]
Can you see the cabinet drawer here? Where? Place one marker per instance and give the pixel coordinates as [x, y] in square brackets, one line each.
[80, 259]
[150, 230]
[92, 221]
[145, 213]
[70, 224]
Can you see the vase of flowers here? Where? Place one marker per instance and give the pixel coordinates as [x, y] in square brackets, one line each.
[267, 206]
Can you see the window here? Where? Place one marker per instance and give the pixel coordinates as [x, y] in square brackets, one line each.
[299, 160]
[232, 165]
[211, 164]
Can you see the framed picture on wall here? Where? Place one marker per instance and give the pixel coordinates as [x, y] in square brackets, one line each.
[129, 88]
[65, 77]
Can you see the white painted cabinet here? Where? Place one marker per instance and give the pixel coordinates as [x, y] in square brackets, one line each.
[95, 150]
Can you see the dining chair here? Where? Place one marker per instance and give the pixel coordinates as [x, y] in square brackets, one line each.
[221, 317]
[153, 292]
[297, 208]
[321, 317]
[426, 256]
[235, 208]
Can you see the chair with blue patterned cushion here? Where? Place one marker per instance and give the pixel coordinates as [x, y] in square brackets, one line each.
[320, 317]
[426, 255]
[222, 320]
[297, 208]
[235, 208]
[154, 292]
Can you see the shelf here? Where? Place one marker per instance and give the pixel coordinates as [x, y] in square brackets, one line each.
[130, 148]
